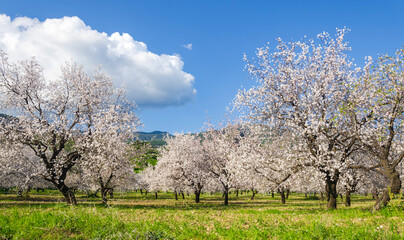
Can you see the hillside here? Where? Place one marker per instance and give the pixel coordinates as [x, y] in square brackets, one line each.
[149, 136]
[156, 138]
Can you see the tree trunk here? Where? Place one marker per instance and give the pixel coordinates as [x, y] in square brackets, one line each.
[383, 201]
[183, 196]
[155, 194]
[395, 182]
[141, 191]
[253, 194]
[283, 198]
[272, 194]
[67, 193]
[321, 196]
[305, 195]
[104, 192]
[287, 193]
[237, 193]
[332, 194]
[347, 198]
[26, 195]
[342, 198]
[395, 188]
[226, 197]
[197, 195]
[176, 195]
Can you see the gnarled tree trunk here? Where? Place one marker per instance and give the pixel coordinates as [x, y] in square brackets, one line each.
[253, 194]
[331, 190]
[395, 181]
[104, 192]
[67, 193]
[395, 187]
[383, 201]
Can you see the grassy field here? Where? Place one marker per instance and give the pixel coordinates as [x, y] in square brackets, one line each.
[134, 216]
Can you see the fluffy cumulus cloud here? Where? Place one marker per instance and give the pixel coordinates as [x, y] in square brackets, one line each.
[150, 79]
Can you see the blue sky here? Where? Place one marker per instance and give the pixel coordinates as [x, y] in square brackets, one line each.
[220, 33]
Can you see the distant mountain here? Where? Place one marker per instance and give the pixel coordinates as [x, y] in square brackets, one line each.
[148, 136]
[155, 138]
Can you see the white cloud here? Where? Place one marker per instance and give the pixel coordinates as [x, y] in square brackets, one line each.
[151, 79]
[188, 46]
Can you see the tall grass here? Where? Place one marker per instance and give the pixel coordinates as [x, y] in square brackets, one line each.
[135, 216]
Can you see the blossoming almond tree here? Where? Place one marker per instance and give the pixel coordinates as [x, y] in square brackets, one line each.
[274, 155]
[377, 105]
[183, 163]
[20, 168]
[302, 86]
[219, 148]
[105, 150]
[52, 115]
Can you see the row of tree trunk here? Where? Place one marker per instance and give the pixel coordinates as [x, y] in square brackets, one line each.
[331, 194]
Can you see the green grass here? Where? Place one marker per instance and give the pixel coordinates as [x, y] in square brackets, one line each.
[135, 216]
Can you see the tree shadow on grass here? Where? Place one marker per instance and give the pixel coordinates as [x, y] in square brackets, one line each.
[167, 202]
[29, 199]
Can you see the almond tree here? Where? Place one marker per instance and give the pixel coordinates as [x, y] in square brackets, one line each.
[20, 168]
[106, 151]
[219, 148]
[145, 180]
[52, 115]
[302, 86]
[350, 183]
[308, 180]
[377, 106]
[183, 163]
[273, 155]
